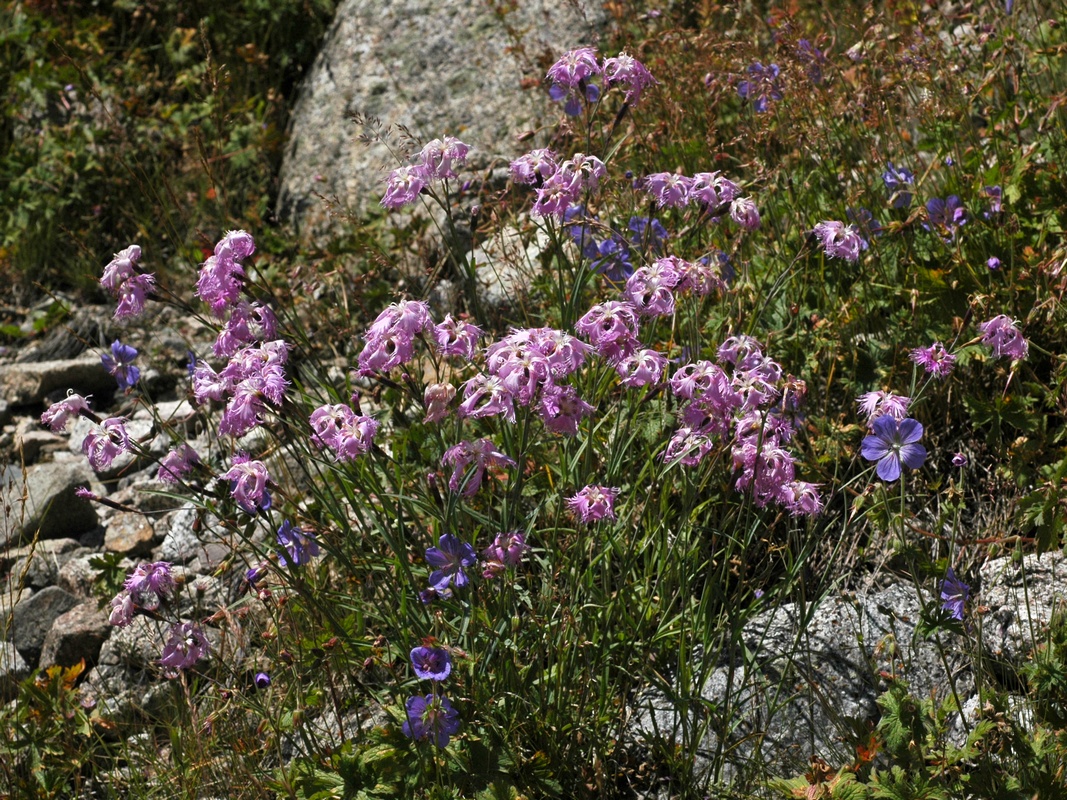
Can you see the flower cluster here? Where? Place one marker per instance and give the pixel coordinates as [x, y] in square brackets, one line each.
[750, 403]
[506, 551]
[145, 588]
[253, 378]
[339, 428]
[840, 240]
[431, 717]
[390, 340]
[122, 280]
[573, 74]
[761, 87]
[437, 160]
[479, 455]
[711, 191]
[527, 368]
[566, 184]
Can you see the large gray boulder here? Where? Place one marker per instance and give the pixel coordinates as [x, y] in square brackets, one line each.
[436, 67]
[33, 617]
[44, 501]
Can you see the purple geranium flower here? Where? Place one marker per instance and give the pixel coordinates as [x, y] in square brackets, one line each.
[431, 663]
[120, 364]
[896, 180]
[894, 444]
[761, 86]
[946, 215]
[954, 594]
[431, 718]
[297, 547]
[449, 559]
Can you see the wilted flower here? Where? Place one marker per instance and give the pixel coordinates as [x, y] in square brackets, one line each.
[743, 211]
[893, 445]
[431, 663]
[436, 398]
[959, 460]
[177, 463]
[954, 594]
[506, 551]
[431, 718]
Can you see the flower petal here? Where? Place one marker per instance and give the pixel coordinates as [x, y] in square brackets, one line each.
[913, 455]
[889, 468]
[910, 431]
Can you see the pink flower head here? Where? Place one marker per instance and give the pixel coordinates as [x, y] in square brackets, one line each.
[561, 409]
[482, 454]
[649, 288]
[935, 359]
[688, 446]
[743, 211]
[103, 445]
[739, 348]
[235, 246]
[594, 503]
[248, 483]
[210, 385]
[487, 396]
[120, 269]
[185, 645]
[441, 156]
[122, 610]
[628, 72]
[588, 170]
[457, 337]
[219, 282]
[506, 551]
[248, 323]
[713, 190]
[176, 463]
[643, 368]
[883, 404]
[150, 584]
[765, 468]
[801, 498]
[558, 193]
[573, 67]
[326, 423]
[355, 437]
[563, 353]
[1002, 335]
[58, 414]
[669, 189]
[534, 167]
[839, 240]
[437, 398]
[611, 329]
[132, 295]
[391, 337]
[700, 277]
[404, 184]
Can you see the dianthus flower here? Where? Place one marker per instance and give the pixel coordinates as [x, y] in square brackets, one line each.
[248, 483]
[432, 719]
[1004, 338]
[506, 551]
[570, 79]
[628, 72]
[120, 364]
[743, 211]
[669, 189]
[177, 463]
[450, 559]
[839, 240]
[801, 498]
[457, 337]
[738, 348]
[186, 645]
[561, 409]
[132, 296]
[436, 399]
[700, 277]
[935, 359]
[390, 338]
[995, 197]
[896, 180]
[557, 194]
[878, 403]
[642, 368]
[235, 246]
[326, 422]
[221, 275]
[58, 414]
[761, 86]
[441, 156]
[894, 445]
[149, 584]
[687, 446]
[611, 329]
[404, 185]
[355, 437]
[713, 190]
[765, 468]
[649, 288]
[487, 396]
[431, 663]
[483, 454]
[534, 167]
[120, 269]
[103, 445]
[297, 547]
[122, 610]
[594, 503]
[247, 324]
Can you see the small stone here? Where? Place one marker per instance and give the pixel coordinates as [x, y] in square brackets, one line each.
[77, 576]
[130, 534]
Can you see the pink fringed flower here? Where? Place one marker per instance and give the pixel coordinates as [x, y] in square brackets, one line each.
[1001, 334]
[594, 503]
[58, 414]
[248, 483]
[104, 444]
[482, 454]
[177, 463]
[628, 72]
[935, 359]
